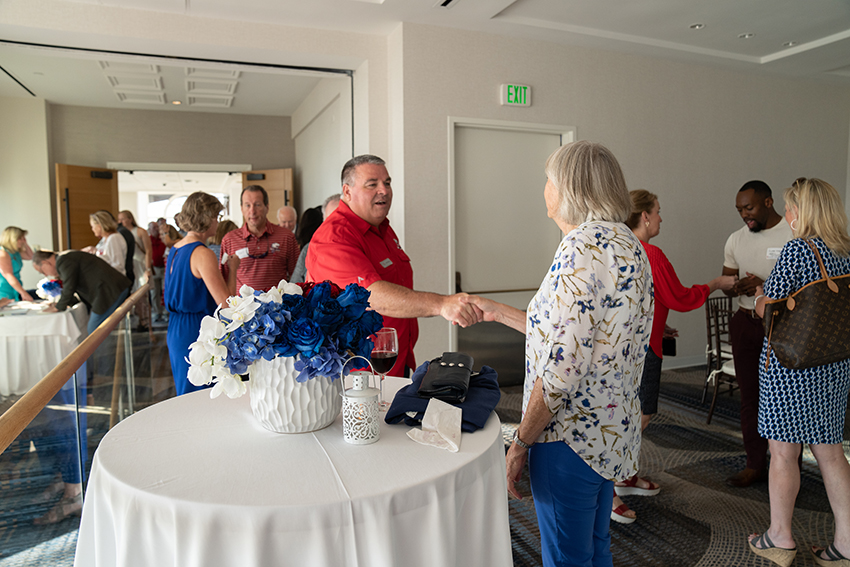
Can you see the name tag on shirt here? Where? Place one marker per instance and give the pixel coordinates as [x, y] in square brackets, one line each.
[242, 253]
[386, 263]
[773, 253]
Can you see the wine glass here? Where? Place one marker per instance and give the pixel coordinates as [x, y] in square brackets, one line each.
[384, 355]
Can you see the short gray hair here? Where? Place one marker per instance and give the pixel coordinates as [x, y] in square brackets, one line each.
[335, 198]
[590, 183]
[351, 165]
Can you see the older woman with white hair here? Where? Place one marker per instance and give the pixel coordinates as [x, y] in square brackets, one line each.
[587, 331]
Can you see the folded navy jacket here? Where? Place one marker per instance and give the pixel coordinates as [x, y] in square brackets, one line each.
[481, 399]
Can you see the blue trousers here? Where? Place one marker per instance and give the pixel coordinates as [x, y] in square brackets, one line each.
[573, 506]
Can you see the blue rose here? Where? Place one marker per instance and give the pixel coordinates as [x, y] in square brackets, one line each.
[329, 316]
[293, 305]
[319, 295]
[354, 301]
[306, 336]
[371, 321]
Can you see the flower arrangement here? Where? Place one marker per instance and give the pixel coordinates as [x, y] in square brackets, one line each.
[49, 288]
[320, 325]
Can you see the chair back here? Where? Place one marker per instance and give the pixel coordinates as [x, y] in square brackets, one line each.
[718, 311]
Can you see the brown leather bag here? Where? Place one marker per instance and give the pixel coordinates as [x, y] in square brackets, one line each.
[810, 327]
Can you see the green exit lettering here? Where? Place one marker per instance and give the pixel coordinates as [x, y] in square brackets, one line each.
[515, 95]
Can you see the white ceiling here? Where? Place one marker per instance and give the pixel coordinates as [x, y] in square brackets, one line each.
[803, 38]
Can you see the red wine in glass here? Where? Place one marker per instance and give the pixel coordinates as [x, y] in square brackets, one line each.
[384, 355]
[383, 361]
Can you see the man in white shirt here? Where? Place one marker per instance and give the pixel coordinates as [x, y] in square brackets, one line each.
[750, 254]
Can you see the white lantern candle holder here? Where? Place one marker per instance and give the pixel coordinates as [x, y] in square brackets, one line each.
[360, 408]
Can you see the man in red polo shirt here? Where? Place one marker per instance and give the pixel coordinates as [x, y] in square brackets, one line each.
[356, 244]
[259, 254]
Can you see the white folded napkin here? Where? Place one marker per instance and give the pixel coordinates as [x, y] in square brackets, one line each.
[440, 426]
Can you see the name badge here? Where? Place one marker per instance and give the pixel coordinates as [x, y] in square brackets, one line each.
[386, 263]
[773, 253]
[242, 253]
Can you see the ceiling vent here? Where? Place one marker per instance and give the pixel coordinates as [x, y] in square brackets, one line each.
[446, 3]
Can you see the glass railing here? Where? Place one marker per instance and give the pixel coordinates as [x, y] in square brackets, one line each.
[44, 469]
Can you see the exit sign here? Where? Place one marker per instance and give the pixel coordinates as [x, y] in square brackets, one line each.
[515, 95]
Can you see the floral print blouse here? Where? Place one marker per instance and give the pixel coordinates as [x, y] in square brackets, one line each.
[587, 334]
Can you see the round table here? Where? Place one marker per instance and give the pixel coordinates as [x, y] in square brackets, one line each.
[198, 482]
[32, 343]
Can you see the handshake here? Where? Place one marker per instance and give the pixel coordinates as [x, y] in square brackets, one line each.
[466, 310]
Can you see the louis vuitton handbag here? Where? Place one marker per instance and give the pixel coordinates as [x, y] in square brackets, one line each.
[810, 327]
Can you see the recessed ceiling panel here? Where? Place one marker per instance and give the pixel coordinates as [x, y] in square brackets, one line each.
[128, 67]
[140, 98]
[195, 72]
[131, 82]
[209, 101]
[208, 86]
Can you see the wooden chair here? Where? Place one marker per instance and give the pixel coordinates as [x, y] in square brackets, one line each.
[720, 368]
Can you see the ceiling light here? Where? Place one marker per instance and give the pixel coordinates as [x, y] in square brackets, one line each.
[176, 102]
[696, 26]
[746, 35]
[789, 44]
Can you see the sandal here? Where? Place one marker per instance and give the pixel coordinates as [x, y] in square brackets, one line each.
[68, 506]
[629, 487]
[618, 514]
[50, 493]
[763, 547]
[833, 557]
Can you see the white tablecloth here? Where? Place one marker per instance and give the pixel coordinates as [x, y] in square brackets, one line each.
[32, 345]
[197, 482]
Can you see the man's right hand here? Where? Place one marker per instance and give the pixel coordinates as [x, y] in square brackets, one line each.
[460, 310]
[747, 285]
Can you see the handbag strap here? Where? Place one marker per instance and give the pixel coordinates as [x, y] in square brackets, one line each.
[824, 276]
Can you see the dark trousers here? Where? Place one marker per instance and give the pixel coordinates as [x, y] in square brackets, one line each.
[747, 336]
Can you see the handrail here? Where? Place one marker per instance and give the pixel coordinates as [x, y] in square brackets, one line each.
[17, 417]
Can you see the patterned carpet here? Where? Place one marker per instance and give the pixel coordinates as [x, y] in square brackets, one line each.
[696, 520]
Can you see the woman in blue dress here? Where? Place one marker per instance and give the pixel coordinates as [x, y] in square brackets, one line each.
[808, 405]
[13, 251]
[193, 283]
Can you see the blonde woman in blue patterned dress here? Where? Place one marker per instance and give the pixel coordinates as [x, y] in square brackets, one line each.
[805, 406]
[587, 331]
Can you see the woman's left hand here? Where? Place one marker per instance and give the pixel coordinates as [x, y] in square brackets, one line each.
[515, 462]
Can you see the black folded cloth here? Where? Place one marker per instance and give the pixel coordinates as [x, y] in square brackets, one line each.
[481, 399]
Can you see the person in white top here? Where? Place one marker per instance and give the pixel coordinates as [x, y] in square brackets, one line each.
[111, 247]
[750, 254]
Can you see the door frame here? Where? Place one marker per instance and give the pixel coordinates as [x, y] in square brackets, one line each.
[567, 133]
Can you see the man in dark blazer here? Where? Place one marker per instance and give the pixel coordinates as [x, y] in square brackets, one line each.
[100, 286]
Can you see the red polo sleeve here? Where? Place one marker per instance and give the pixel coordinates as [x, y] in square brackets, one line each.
[339, 254]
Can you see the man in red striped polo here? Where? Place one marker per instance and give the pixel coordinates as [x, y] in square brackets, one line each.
[259, 254]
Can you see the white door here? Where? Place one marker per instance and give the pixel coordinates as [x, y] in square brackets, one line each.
[503, 240]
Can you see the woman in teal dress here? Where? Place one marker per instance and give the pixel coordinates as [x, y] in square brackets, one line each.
[193, 283]
[13, 251]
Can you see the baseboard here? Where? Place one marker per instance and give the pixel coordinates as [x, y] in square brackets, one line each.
[675, 362]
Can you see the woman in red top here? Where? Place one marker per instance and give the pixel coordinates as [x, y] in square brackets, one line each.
[645, 222]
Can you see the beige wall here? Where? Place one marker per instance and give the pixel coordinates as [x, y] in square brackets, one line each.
[24, 174]
[322, 129]
[692, 134]
[94, 136]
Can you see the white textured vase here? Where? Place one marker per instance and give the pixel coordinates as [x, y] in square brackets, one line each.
[283, 405]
